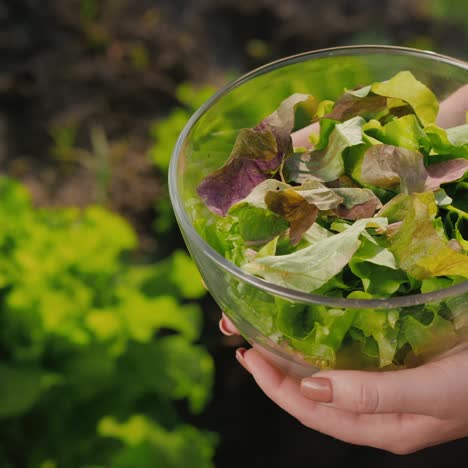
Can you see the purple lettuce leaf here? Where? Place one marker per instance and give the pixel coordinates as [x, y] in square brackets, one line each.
[257, 154]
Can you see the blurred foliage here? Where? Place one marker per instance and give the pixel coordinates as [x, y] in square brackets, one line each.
[90, 342]
[453, 10]
[165, 133]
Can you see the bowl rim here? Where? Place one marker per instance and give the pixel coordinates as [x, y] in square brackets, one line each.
[290, 294]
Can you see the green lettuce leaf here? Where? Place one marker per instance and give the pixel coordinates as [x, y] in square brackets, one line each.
[376, 266]
[456, 225]
[311, 267]
[417, 246]
[380, 324]
[258, 225]
[452, 141]
[315, 330]
[326, 164]
[427, 339]
[406, 133]
[316, 233]
[404, 86]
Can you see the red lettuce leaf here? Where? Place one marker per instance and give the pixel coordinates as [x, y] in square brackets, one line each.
[257, 154]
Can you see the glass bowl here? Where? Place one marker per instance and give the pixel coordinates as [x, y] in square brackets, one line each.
[253, 304]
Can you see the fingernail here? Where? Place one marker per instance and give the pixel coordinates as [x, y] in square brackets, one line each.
[317, 389]
[240, 357]
[224, 330]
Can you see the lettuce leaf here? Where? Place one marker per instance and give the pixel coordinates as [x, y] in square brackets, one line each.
[299, 206]
[294, 208]
[357, 203]
[351, 105]
[417, 246]
[326, 164]
[452, 141]
[256, 155]
[389, 166]
[376, 266]
[431, 338]
[406, 133]
[315, 330]
[444, 172]
[456, 225]
[258, 226]
[311, 267]
[381, 325]
[404, 86]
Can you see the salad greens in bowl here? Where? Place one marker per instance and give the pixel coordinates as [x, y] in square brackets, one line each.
[324, 199]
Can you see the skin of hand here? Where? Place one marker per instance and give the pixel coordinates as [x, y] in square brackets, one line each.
[399, 411]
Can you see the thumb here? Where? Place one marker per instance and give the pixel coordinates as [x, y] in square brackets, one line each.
[433, 389]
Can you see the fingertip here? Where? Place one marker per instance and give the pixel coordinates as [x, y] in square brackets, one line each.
[318, 389]
[262, 370]
[224, 328]
[229, 328]
[240, 356]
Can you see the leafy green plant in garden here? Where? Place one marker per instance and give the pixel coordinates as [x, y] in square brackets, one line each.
[95, 351]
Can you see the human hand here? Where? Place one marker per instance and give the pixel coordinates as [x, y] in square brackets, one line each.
[400, 411]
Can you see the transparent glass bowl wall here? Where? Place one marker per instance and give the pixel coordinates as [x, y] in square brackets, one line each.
[205, 144]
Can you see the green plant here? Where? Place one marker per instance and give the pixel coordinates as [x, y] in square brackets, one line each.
[89, 343]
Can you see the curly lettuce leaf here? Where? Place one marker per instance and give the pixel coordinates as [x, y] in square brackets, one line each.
[452, 141]
[380, 324]
[417, 246]
[311, 267]
[256, 155]
[376, 266]
[406, 133]
[456, 225]
[315, 330]
[427, 339]
[406, 87]
[224, 236]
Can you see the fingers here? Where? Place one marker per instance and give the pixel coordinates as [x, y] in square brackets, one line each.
[452, 111]
[227, 327]
[434, 389]
[397, 433]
